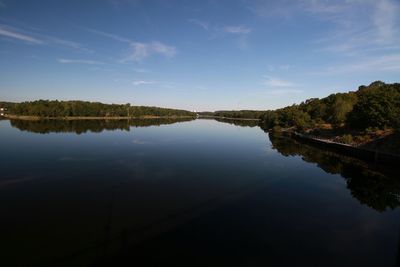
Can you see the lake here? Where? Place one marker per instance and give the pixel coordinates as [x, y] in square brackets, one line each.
[190, 193]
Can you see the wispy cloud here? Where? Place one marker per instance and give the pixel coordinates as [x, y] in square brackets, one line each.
[12, 33]
[141, 70]
[385, 17]
[142, 82]
[373, 64]
[79, 61]
[202, 24]
[278, 87]
[33, 37]
[283, 67]
[141, 51]
[276, 82]
[67, 43]
[323, 6]
[237, 29]
[110, 35]
[359, 26]
[356, 26]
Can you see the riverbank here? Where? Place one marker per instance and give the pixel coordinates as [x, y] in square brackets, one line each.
[36, 118]
[376, 154]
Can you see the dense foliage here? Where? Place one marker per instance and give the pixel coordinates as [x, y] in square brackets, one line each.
[46, 108]
[373, 106]
[376, 105]
[239, 114]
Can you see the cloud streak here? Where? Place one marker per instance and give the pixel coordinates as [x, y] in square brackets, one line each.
[110, 35]
[79, 61]
[202, 24]
[39, 39]
[359, 25]
[140, 50]
[275, 82]
[142, 82]
[237, 29]
[11, 33]
[371, 64]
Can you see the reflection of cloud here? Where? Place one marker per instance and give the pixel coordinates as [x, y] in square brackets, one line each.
[141, 142]
[75, 159]
[138, 169]
[16, 181]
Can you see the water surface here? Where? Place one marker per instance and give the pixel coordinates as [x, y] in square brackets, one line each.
[192, 193]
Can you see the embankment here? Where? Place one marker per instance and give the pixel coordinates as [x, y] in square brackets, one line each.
[374, 156]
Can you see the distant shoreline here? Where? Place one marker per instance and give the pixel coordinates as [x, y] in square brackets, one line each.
[70, 118]
[226, 118]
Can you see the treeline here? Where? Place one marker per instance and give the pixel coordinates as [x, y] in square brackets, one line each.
[376, 105]
[235, 114]
[47, 108]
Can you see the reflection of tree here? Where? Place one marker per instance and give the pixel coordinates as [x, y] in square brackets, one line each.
[243, 123]
[83, 126]
[379, 189]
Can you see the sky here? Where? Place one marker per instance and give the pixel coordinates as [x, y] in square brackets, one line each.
[196, 55]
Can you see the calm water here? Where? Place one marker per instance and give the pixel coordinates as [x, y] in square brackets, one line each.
[192, 193]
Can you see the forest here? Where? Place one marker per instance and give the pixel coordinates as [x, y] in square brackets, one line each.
[55, 108]
[239, 114]
[374, 106]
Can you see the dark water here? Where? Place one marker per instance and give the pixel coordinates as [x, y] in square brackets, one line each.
[191, 193]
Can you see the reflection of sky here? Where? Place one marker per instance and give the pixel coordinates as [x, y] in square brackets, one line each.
[162, 170]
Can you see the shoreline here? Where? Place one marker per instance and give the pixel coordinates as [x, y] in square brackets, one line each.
[369, 155]
[37, 118]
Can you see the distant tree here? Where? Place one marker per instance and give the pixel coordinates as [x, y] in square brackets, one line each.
[46, 108]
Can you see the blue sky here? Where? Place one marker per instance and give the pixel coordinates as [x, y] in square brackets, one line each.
[196, 55]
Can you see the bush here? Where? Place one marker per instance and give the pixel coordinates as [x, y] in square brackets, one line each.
[346, 139]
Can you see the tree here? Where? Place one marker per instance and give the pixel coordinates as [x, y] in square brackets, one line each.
[377, 106]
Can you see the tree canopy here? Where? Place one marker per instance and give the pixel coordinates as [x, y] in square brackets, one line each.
[55, 108]
[376, 105]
